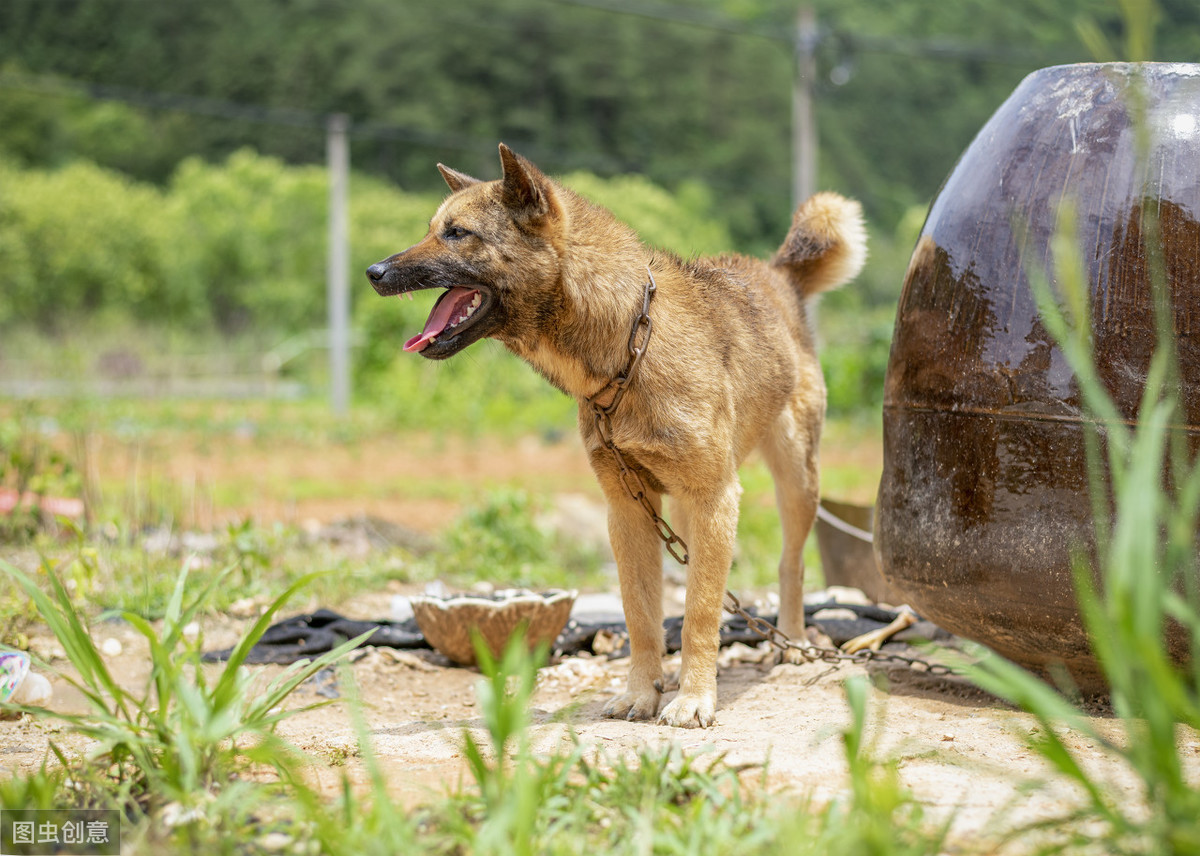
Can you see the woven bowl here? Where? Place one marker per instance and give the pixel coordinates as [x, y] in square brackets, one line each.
[447, 623]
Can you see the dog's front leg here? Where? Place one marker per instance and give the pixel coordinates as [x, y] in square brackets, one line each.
[712, 527]
[638, 551]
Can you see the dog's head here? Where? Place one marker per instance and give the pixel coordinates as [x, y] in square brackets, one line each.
[492, 247]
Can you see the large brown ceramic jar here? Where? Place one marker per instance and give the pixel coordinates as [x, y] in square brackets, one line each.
[985, 486]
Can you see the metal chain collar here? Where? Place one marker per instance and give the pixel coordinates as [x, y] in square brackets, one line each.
[639, 340]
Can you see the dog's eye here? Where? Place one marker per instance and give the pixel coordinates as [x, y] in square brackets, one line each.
[455, 233]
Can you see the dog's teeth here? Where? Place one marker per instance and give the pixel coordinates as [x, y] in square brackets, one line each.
[467, 311]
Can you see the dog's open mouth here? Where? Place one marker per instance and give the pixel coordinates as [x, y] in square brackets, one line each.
[456, 310]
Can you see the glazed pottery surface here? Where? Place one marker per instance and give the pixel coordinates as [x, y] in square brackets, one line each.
[984, 494]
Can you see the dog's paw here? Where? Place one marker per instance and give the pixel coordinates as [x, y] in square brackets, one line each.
[689, 711]
[633, 706]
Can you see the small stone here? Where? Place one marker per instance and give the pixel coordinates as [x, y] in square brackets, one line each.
[273, 842]
[739, 652]
[175, 814]
[401, 608]
[33, 691]
[245, 607]
[845, 594]
[111, 647]
[606, 642]
[402, 658]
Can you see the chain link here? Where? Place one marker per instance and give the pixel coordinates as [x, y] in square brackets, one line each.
[782, 642]
[639, 341]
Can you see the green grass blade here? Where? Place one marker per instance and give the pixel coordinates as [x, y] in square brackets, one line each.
[62, 619]
[226, 684]
[283, 686]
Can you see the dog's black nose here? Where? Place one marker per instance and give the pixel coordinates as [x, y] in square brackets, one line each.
[377, 272]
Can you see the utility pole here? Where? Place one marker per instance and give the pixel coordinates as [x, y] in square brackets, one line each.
[804, 120]
[337, 151]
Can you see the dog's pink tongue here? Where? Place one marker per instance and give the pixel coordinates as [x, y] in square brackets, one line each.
[445, 309]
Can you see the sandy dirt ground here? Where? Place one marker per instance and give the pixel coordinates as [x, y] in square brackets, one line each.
[960, 751]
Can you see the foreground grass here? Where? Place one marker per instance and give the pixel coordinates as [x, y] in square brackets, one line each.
[195, 767]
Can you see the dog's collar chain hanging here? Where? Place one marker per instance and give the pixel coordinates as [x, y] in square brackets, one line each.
[639, 340]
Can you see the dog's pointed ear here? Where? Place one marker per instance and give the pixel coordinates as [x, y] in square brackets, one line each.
[455, 179]
[525, 189]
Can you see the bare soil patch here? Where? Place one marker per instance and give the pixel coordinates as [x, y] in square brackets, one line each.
[419, 480]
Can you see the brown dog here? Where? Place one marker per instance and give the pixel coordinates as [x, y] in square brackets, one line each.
[730, 368]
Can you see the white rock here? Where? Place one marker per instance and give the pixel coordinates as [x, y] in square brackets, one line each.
[401, 608]
[34, 691]
[245, 607]
[273, 842]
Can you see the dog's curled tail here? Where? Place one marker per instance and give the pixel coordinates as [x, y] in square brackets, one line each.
[826, 245]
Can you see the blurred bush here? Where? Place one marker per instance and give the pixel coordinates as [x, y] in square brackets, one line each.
[83, 240]
[239, 247]
[854, 348]
[682, 222]
[248, 237]
[222, 247]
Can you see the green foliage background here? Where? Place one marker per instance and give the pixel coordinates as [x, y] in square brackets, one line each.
[161, 164]
[695, 90]
[238, 248]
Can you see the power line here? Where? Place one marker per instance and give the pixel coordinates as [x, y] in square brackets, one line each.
[198, 105]
[938, 49]
[686, 15]
[193, 104]
[295, 117]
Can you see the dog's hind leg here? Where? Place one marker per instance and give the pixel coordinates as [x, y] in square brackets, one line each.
[638, 551]
[790, 450]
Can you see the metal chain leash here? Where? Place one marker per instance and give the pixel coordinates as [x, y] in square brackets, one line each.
[639, 340]
[836, 656]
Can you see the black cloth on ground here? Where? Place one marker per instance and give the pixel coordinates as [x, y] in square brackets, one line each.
[313, 634]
